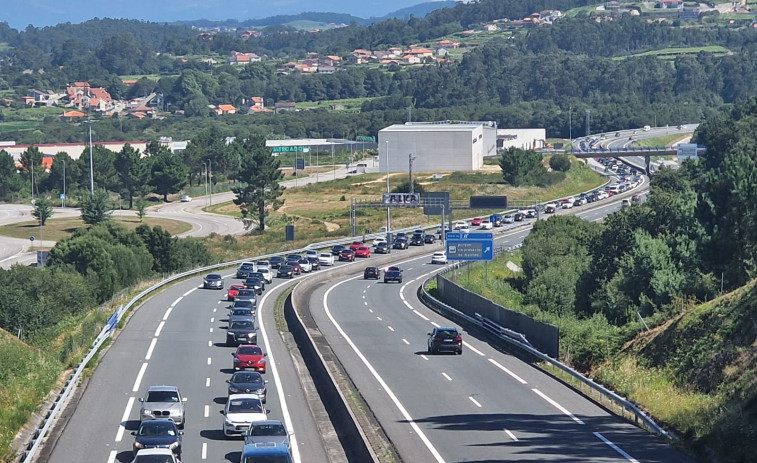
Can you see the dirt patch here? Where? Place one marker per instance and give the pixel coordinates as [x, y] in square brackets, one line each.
[331, 226]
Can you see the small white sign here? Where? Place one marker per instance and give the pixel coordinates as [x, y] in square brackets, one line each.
[687, 151]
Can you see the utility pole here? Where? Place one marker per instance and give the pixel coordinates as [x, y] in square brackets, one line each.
[388, 209]
[210, 183]
[205, 176]
[410, 114]
[570, 124]
[63, 199]
[410, 159]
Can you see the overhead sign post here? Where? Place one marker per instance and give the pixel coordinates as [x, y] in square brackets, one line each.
[470, 246]
[402, 199]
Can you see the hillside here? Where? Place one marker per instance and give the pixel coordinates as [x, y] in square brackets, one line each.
[697, 373]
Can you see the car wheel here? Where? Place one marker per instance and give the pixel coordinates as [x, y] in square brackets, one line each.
[460, 351]
[430, 350]
[384, 281]
[229, 343]
[181, 426]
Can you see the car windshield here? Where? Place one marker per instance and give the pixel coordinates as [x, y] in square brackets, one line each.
[268, 430]
[394, 269]
[241, 311]
[246, 292]
[162, 396]
[243, 303]
[241, 325]
[246, 267]
[245, 405]
[250, 350]
[156, 428]
[246, 377]
[213, 277]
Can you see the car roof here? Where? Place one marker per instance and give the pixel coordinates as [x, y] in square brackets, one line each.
[265, 448]
[163, 388]
[213, 275]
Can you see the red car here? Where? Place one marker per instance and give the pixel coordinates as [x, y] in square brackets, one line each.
[356, 244]
[476, 222]
[232, 292]
[296, 269]
[249, 357]
[347, 254]
[363, 251]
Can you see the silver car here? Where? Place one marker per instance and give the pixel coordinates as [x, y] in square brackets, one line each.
[163, 402]
[267, 431]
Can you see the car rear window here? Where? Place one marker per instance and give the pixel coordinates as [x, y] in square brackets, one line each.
[447, 333]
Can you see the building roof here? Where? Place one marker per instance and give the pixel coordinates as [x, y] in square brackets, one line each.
[226, 107]
[431, 128]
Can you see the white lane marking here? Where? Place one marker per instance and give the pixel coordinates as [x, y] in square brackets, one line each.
[402, 296]
[365, 303]
[160, 328]
[558, 406]
[124, 419]
[378, 318]
[406, 341]
[210, 343]
[207, 382]
[473, 349]
[211, 329]
[112, 456]
[177, 301]
[212, 319]
[390, 328]
[209, 360]
[475, 402]
[189, 292]
[204, 454]
[512, 436]
[215, 309]
[370, 310]
[616, 448]
[150, 349]
[408, 269]
[435, 324]
[207, 411]
[295, 449]
[379, 379]
[423, 356]
[420, 315]
[168, 312]
[139, 377]
[506, 370]
[446, 376]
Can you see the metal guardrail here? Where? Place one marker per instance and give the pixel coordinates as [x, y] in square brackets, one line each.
[518, 340]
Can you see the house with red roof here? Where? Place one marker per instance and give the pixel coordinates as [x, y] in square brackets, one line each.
[222, 109]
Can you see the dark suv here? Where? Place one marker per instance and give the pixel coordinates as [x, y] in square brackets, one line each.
[445, 339]
[371, 272]
[417, 240]
[241, 332]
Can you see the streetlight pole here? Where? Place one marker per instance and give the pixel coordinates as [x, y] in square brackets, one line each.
[63, 199]
[570, 125]
[205, 177]
[91, 167]
[410, 159]
[210, 182]
[388, 209]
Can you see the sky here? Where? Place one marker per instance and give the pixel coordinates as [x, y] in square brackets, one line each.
[40, 13]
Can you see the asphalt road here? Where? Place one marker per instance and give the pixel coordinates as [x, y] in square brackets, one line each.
[483, 406]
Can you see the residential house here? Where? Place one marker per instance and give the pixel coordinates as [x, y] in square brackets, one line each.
[670, 4]
[282, 106]
[448, 44]
[242, 58]
[250, 33]
[72, 115]
[441, 52]
[395, 52]
[411, 59]
[326, 69]
[360, 56]
[257, 105]
[331, 60]
[222, 109]
[491, 27]
[80, 95]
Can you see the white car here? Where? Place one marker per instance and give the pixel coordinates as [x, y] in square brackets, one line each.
[486, 224]
[460, 224]
[567, 205]
[325, 259]
[240, 411]
[508, 219]
[267, 274]
[185, 198]
[378, 241]
[305, 266]
[311, 253]
[263, 264]
[439, 257]
[154, 454]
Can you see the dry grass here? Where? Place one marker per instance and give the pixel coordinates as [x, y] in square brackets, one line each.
[57, 229]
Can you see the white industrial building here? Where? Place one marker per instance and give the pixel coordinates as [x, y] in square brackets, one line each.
[436, 146]
[525, 139]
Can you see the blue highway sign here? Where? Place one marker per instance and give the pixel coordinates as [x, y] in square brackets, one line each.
[470, 246]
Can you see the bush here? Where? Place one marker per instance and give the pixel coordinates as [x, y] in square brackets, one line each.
[560, 163]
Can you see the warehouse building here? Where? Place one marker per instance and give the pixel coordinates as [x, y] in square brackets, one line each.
[436, 146]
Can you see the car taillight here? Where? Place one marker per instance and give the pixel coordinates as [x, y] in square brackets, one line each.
[459, 339]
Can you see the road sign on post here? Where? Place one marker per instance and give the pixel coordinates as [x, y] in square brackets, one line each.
[470, 246]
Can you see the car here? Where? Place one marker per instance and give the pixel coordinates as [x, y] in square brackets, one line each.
[550, 209]
[250, 356]
[486, 224]
[267, 431]
[530, 213]
[445, 339]
[285, 271]
[337, 249]
[185, 199]
[276, 262]
[519, 216]
[379, 240]
[460, 224]
[233, 290]
[255, 283]
[347, 255]
[383, 248]
[296, 269]
[325, 259]
[496, 220]
[400, 235]
[246, 295]
[266, 273]
[241, 313]
[248, 382]
[417, 240]
[371, 273]
[464, 228]
[356, 244]
[158, 434]
[264, 452]
[315, 264]
[476, 222]
[625, 203]
[439, 257]
[212, 281]
[429, 238]
[305, 265]
[294, 257]
[400, 243]
[154, 455]
[579, 201]
[393, 273]
[263, 264]
[441, 229]
[240, 412]
[311, 253]
[244, 304]
[568, 204]
[636, 198]
[363, 251]
[245, 269]
[241, 332]
[508, 218]
[163, 402]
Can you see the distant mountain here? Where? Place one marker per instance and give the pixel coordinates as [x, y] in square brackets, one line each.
[419, 11]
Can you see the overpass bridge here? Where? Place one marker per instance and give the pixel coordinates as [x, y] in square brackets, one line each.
[646, 152]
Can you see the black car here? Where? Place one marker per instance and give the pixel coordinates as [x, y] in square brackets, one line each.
[315, 264]
[241, 332]
[247, 382]
[276, 261]
[416, 240]
[393, 273]
[255, 283]
[519, 216]
[371, 273]
[337, 249]
[429, 238]
[400, 243]
[245, 269]
[212, 281]
[445, 339]
[286, 271]
[158, 433]
[382, 248]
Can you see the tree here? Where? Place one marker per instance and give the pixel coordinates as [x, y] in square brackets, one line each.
[31, 162]
[168, 173]
[95, 208]
[132, 172]
[141, 208]
[43, 210]
[10, 179]
[560, 162]
[260, 173]
[517, 164]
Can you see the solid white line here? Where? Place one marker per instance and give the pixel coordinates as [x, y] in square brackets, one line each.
[204, 453]
[177, 301]
[423, 356]
[139, 377]
[512, 436]
[402, 296]
[168, 312]
[475, 402]
[446, 376]
[616, 448]
[503, 368]
[435, 324]
[160, 327]
[189, 292]
[150, 349]
[207, 382]
[380, 380]
[124, 419]
[370, 310]
[421, 315]
[406, 341]
[473, 349]
[558, 406]
[390, 328]
[112, 456]
[207, 411]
